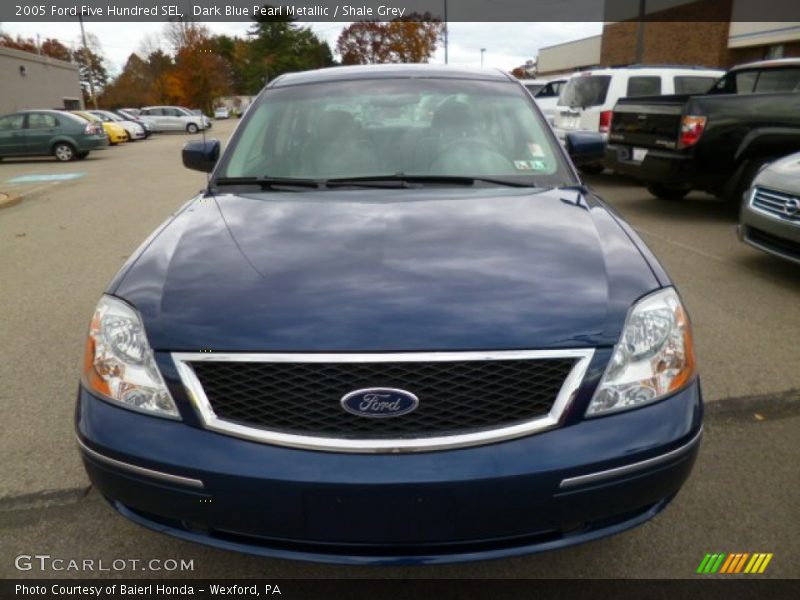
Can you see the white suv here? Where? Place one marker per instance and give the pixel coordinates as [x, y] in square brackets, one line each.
[587, 100]
[172, 118]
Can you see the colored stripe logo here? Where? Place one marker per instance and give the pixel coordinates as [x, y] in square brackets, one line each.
[737, 562]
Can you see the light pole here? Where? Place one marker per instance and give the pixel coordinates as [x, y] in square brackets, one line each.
[88, 59]
[483, 51]
[446, 36]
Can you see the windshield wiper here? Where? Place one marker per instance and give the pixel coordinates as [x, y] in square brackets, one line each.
[267, 183]
[402, 178]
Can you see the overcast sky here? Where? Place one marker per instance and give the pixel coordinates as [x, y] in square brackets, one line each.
[507, 44]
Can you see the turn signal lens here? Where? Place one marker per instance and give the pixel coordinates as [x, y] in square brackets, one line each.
[654, 356]
[119, 363]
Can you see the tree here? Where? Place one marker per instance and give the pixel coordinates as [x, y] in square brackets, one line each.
[409, 40]
[18, 43]
[55, 49]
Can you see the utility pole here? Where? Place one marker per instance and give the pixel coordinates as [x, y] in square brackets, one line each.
[640, 33]
[88, 61]
[483, 51]
[446, 36]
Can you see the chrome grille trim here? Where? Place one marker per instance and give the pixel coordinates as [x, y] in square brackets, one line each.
[424, 444]
[772, 204]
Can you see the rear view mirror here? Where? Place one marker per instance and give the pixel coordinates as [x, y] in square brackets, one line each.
[585, 147]
[201, 155]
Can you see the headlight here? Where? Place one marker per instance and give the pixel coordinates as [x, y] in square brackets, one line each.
[654, 356]
[119, 363]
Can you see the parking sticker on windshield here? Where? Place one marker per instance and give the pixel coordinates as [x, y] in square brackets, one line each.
[530, 165]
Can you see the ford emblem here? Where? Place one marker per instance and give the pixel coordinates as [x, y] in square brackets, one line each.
[380, 402]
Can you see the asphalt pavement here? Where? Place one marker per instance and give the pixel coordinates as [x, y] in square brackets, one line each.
[65, 238]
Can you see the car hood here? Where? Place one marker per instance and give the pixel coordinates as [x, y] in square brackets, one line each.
[783, 174]
[380, 270]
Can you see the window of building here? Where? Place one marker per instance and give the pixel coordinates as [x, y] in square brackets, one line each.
[774, 51]
[72, 104]
[644, 86]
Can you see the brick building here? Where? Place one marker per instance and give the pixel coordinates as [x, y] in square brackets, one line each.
[705, 32]
[711, 33]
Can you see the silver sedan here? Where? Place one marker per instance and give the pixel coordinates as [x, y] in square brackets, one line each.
[770, 215]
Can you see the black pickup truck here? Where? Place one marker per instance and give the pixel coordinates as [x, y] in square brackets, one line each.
[715, 142]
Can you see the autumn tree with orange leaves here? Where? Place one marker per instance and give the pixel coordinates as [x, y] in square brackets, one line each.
[413, 39]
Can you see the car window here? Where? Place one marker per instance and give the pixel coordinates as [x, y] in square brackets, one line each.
[640, 85]
[11, 122]
[548, 91]
[534, 88]
[442, 127]
[740, 82]
[773, 81]
[585, 90]
[41, 121]
[693, 84]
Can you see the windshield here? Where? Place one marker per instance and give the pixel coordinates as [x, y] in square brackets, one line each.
[585, 90]
[380, 127]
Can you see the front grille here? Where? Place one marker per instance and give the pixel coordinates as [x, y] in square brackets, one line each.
[774, 243]
[455, 397]
[775, 203]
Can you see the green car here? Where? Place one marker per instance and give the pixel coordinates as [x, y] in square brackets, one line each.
[49, 133]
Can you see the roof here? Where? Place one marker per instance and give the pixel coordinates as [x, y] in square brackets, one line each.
[766, 64]
[397, 71]
[31, 57]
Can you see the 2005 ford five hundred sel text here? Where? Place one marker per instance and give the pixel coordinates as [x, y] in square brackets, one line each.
[394, 328]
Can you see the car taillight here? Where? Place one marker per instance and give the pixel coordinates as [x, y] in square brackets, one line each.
[691, 129]
[605, 121]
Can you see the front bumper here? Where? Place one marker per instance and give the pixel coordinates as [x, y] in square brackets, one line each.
[771, 234]
[554, 489]
[658, 166]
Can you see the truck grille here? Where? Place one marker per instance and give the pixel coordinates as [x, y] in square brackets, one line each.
[779, 204]
[456, 397]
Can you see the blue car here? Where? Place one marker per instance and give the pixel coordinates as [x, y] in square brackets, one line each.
[395, 328]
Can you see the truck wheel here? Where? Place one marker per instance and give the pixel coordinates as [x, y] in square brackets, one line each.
[592, 169]
[63, 151]
[192, 128]
[747, 177]
[667, 192]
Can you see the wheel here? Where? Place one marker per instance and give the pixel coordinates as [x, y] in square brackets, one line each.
[747, 177]
[666, 191]
[82, 155]
[63, 151]
[192, 128]
[128, 137]
[592, 169]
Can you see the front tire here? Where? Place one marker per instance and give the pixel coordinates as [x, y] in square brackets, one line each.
[192, 128]
[591, 169]
[667, 192]
[64, 152]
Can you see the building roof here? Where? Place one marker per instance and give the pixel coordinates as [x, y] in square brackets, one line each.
[398, 71]
[40, 58]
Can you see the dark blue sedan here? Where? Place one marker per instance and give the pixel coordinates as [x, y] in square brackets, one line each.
[395, 328]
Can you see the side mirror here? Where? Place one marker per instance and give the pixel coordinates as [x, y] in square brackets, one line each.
[201, 155]
[585, 147]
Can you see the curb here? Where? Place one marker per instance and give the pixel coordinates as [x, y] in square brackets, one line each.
[8, 200]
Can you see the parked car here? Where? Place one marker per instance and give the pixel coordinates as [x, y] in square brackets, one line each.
[716, 141]
[770, 215]
[128, 116]
[133, 129]
[547, 97]
[588, 98]
[199, 113]
[114, 131]
[534, 85]
[222, 112]
[172, 118]
[132, 111]
[49, 133]
[419, 340]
